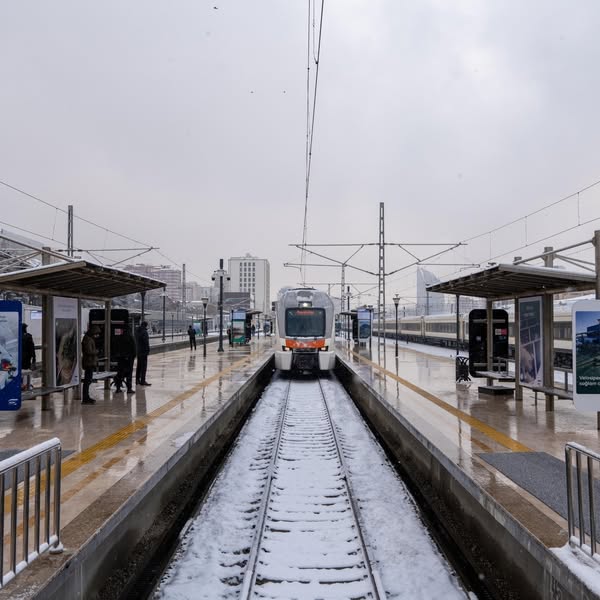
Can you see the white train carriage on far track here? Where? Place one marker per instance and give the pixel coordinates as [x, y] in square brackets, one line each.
[305, 330]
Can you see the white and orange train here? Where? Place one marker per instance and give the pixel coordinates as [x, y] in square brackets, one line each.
[305, 331]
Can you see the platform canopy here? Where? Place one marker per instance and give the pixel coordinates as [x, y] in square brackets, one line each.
[77, 279]
[508, 281]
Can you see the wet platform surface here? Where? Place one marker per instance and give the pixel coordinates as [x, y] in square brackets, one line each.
[470, 428]
[121, 434]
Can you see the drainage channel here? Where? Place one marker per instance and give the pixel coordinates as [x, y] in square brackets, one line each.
[307, 505]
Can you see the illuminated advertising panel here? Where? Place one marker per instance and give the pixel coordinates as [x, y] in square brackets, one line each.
[586, 355]
[10, 354]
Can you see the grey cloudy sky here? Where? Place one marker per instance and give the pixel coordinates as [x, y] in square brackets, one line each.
[183, 125]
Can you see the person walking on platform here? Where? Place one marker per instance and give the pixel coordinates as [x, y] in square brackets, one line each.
[28, 352]
[192, 334]
[89, 360]
[125, 362]
[143, 349]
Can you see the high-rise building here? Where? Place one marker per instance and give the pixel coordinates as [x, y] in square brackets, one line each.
[252, 275]
[164, 273]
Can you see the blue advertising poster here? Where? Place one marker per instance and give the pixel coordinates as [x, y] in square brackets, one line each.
[586, 359]
[364, 323]
[10, 355]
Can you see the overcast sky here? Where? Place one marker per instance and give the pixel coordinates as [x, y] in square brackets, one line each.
[182, 124]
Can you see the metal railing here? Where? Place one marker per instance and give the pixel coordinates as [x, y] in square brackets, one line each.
[584, 499]
[25, 537]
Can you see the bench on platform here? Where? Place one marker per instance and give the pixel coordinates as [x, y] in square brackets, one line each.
[46, 392]
[103, 375]
[496, 390]
[551, 391]
[106, 376]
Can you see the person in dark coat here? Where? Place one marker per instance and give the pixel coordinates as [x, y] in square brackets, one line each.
[89, 361]
[28, 349]
[192, 334]
[143, 349]
[125, 359]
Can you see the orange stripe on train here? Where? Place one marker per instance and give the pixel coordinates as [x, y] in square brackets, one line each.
[305, 344]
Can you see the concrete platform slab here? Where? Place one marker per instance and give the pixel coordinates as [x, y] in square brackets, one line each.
[123, 446]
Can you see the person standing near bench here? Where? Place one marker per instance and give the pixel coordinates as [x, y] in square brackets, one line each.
[143, 349]
[192, 335]
[125, 361]
[89, 361]
[28, 352]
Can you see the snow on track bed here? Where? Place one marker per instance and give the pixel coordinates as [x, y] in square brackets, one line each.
[311, 547]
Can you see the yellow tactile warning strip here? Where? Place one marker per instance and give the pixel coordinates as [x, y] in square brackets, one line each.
[76, 461]
[494, 434]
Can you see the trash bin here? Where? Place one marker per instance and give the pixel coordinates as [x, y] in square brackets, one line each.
[462, 369]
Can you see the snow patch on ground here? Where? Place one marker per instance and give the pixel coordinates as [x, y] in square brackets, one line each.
[581, 564]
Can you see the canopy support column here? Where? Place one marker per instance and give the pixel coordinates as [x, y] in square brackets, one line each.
[517, 337]
[107, 336]
[548, 334]
[597, 255]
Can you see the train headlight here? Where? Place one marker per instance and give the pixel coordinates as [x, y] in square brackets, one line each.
[324, 349]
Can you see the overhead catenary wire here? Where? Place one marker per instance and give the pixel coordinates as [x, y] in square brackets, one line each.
[150, 247]
[310, 118]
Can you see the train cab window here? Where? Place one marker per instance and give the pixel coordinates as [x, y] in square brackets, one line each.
[305, 322]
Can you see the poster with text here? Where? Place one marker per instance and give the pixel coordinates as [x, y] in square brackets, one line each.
[10, 355]
[586, 355]
[66, 336]
[531, 358]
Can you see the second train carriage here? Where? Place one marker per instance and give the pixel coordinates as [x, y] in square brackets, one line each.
[305, 331]
[440, 330]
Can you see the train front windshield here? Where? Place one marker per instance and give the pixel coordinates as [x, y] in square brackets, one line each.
[305, 322]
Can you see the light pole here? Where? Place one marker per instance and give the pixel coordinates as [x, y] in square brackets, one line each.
[220, 273]
[172, 327]
[396, 301]
[204, 304]
[164, 296]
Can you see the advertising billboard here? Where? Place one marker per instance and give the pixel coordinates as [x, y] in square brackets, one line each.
[66, 335]
[586, 355]
[10, 354]
[364, 323]
[238, 327]
[531, 357]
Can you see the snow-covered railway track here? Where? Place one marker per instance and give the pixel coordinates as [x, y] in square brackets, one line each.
[281, 520]
[309, 534]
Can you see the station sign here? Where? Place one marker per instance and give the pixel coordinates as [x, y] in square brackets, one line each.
[10, 354]
[586, 355]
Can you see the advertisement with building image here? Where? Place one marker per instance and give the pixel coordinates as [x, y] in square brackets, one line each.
[10, 354]
[586, 355]
[531, 358]
[66, 336]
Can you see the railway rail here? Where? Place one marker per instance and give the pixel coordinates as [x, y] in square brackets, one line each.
[308, 509]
